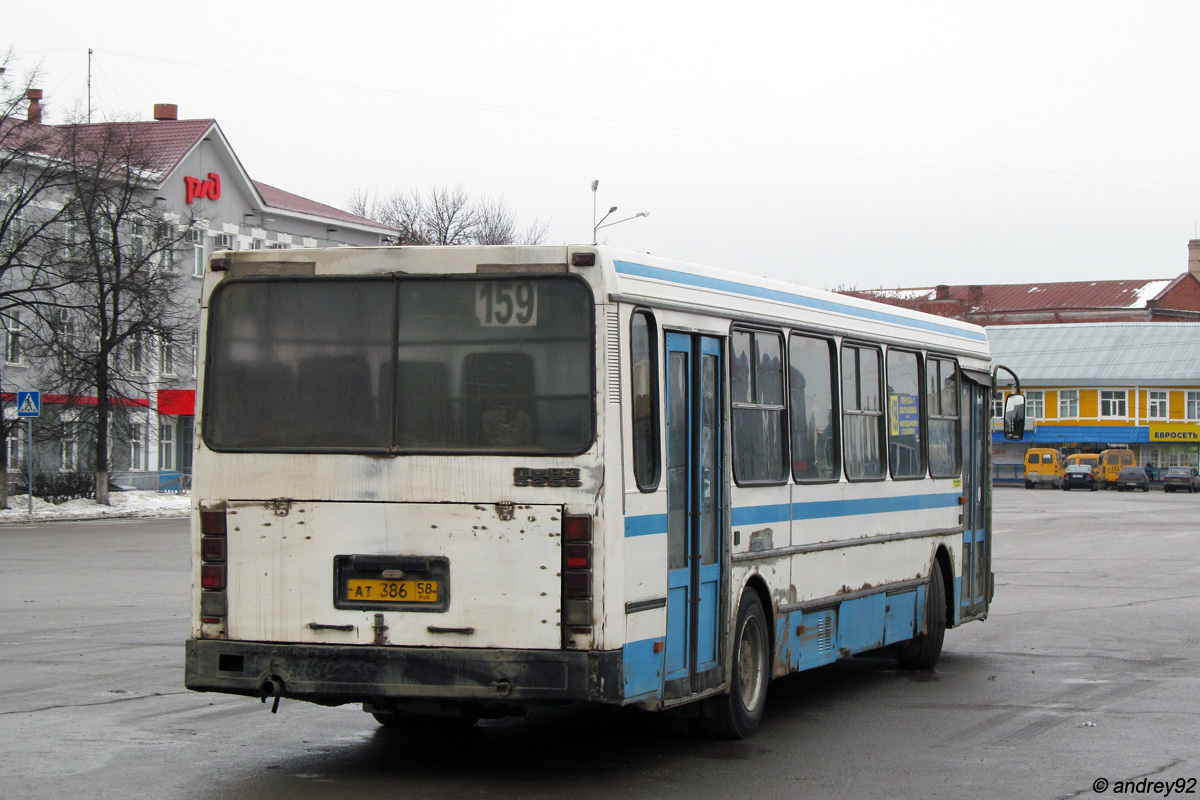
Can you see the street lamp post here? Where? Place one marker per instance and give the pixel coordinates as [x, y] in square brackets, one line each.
[617, 222]
[596, 226]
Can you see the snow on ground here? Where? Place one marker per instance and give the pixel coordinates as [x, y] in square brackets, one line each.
[124, 504]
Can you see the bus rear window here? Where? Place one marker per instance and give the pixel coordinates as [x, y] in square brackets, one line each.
[410, 365]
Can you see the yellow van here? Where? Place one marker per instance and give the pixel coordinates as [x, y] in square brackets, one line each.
[1111, 462]
[1090, 459]
[1044, 467]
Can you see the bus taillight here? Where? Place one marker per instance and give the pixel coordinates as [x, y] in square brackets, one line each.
[577, 573]
[212, 576]
[213, 543]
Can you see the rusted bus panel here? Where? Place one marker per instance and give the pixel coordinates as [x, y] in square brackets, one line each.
[503, 575]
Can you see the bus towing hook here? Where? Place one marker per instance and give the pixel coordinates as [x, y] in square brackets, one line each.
[271, 687]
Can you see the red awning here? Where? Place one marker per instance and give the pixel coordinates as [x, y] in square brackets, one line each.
[177, 401]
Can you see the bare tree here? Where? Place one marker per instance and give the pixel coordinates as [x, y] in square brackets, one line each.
[444, 216]
[124, 309]
[31, 182]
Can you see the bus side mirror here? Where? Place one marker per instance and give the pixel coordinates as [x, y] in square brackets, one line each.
[1014, 417]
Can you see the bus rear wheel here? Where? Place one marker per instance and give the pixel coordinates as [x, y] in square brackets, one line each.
[924, 650]
[736, 715]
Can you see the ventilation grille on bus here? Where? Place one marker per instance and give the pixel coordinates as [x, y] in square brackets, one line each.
[613, 346]
[825, 633]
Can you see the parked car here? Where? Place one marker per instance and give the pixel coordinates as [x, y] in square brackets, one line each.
[1079, 476]
[1184, 479]
[1133, 478]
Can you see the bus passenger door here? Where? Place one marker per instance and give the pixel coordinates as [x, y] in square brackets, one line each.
[977, 547]
[695, 504]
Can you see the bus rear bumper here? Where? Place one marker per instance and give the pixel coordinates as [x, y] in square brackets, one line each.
[336, 674]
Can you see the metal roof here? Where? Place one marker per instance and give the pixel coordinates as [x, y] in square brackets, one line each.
[1052, 295]
[1100, 354]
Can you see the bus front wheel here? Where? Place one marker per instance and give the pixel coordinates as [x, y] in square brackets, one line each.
[736, 715]
[923, 651]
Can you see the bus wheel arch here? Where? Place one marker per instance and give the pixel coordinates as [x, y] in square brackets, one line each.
[735, 714]
[923, 651]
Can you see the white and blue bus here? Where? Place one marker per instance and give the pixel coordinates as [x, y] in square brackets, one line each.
[460, 482]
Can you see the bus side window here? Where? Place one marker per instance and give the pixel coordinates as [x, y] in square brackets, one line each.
[759, 424]
[862, 413]
[941, 397]
[812, 367]
[643, 344]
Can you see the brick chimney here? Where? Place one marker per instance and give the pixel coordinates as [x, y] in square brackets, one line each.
[974, 294]
[941, 292]
[35, 105]
[1194, 257]
[166, 111]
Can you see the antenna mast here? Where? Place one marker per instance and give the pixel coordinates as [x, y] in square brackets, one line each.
[89, 84]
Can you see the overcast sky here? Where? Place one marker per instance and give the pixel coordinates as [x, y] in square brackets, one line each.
[863, 144]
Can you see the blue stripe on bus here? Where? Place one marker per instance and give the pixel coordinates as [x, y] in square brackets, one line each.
[646, 525]
[733, 287]
[643, 668]
[823, 509]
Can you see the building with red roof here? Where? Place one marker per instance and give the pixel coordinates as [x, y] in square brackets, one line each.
[1049, 302]
[197, 176]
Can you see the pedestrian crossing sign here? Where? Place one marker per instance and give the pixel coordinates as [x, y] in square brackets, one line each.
[29, 404]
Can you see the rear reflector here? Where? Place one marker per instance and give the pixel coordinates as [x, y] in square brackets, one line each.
[212, 523]
[212, 548]
[577, 584]
[212, 576]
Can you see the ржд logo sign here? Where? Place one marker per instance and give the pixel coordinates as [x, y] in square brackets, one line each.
[202, 189]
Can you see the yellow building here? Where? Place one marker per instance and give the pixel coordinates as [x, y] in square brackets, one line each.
[1094, 386]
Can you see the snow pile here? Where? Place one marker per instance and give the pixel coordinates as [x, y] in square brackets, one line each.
[124, 504]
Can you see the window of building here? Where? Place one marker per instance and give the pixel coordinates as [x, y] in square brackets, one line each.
[941, 406]
[195, 351]
[12, 337]
[862, 413]
[643, 345]
[758, 408]
[166, 445]
[256, 244]
[137, 446]
[64, 323]
[198, 260]
[1068, 404]
[166, 356]
[222, 241]
[1193, 405]
[1113, 403]
[812, 385]
[70, 235]
[906, 451]
[137, 355]
[998, 405]
[137, 239]
[68, 449]
[1035, 404]
[16, 446]
[1158, 405]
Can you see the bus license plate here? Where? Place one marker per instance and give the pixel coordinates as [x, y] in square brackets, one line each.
[386, 591]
